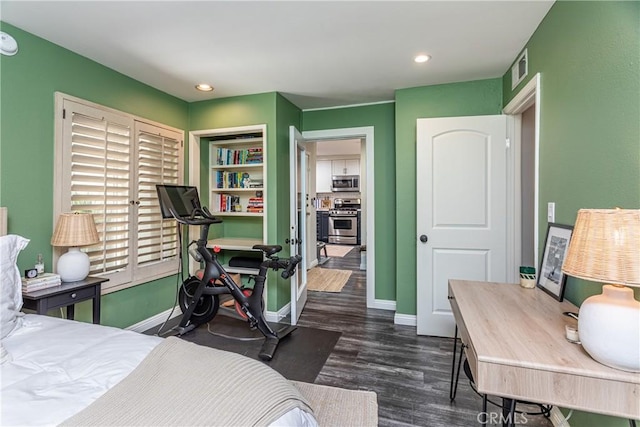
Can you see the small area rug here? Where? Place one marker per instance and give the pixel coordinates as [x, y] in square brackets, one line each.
[338, 250]
[300, 356]
[327, 279]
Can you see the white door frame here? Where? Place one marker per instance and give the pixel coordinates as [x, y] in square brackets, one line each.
[528, 96]
[368, 215]
[298, 221]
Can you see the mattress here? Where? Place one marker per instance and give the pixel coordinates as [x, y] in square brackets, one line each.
[57, 367]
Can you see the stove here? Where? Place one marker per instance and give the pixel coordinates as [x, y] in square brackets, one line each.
[345, 207]
[343, 221]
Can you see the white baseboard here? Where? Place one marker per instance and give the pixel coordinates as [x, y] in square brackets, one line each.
[276, 316]
[384, 304]
[154, 320]
[557, 418]
[405, 319]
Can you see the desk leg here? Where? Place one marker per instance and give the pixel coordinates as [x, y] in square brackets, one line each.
[70, 311]
[632, 423]
[508, 412]
[483, 415]
[455, 375]
[96, 308]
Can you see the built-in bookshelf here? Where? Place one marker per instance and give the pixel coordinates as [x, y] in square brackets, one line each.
[237, 183]
[237, 174]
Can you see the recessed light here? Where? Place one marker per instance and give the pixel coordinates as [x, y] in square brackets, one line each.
[204, 87]
[421, 58]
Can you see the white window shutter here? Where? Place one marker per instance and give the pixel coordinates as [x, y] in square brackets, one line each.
[98, 161]
[159, 160]
[108, 163]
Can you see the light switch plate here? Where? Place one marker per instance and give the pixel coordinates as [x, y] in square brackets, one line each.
[551, 212]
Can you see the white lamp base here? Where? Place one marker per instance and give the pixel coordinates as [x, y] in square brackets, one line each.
[609, 328]
[73, 265]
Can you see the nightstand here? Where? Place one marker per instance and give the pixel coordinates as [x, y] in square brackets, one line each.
[66, 295]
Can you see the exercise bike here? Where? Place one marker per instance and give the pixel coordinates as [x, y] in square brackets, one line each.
[199, 297]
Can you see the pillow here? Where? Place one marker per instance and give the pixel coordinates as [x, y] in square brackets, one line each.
[10, 283]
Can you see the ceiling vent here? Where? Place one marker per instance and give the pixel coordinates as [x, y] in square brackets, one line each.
[519, 70]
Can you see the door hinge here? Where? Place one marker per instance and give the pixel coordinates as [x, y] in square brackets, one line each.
[64, 113]
[508, 143]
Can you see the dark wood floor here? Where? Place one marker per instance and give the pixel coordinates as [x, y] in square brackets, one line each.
[409, 373]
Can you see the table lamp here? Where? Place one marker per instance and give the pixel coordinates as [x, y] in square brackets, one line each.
[605, 247]
[74, 230]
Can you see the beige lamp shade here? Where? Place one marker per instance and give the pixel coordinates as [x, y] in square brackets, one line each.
[75, 229]
[605, 246]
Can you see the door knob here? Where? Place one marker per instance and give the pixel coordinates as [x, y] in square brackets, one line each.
[424, 238]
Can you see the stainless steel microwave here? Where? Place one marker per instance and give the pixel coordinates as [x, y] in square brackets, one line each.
[345, 183]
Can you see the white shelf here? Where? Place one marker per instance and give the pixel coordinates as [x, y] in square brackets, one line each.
[235, 243]
[239, 214]
[241, 270]
[233, 190]
[238, 166]
[238, 141]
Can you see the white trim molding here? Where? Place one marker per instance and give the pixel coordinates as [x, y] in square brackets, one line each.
[405, 319]
[529, 95]
[155, 320]
[276, 316]
[368, 214]
[384, 304]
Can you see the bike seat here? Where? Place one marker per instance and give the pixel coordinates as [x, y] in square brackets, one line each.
[268, 250]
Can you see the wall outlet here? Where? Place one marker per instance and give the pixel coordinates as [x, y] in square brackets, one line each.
[551, 212]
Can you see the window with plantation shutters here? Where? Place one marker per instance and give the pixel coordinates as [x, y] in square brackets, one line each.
[158, 161]
[108, 163]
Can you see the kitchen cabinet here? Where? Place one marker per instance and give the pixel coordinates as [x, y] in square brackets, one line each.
[345, 167]
[322, 226]
[323, 176]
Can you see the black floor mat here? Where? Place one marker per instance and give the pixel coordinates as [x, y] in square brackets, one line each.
[300, 356]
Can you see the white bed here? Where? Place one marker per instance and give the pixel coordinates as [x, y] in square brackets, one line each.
[53, 369]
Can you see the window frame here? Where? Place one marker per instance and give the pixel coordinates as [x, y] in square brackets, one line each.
[135, 274]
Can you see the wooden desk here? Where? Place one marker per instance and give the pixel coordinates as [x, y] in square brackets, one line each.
[516, 348]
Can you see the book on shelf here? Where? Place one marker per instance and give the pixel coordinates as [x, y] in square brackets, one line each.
[255, 205]
[228, 156]
[42, 281]
[227, 203]
[226, 179]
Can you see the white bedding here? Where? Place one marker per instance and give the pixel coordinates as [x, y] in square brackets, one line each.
[57, 367]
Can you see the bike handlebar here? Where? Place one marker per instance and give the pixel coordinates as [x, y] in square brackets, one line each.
[199, 216]
[293, 262]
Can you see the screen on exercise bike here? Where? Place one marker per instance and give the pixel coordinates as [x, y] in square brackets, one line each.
[181, 198]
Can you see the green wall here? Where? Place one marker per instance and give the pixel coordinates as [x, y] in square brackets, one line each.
[29, 81]
[381, 117]
[277, 113]
[475, 98]
[588, 56]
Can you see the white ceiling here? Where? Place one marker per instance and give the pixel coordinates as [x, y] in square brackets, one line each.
[316, 53]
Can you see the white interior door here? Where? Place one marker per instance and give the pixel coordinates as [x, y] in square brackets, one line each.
[461, 211]
[298, 220]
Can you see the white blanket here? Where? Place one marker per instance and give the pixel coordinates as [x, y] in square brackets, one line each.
[58, 367]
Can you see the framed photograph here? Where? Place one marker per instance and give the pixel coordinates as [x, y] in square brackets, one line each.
[551, 279]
